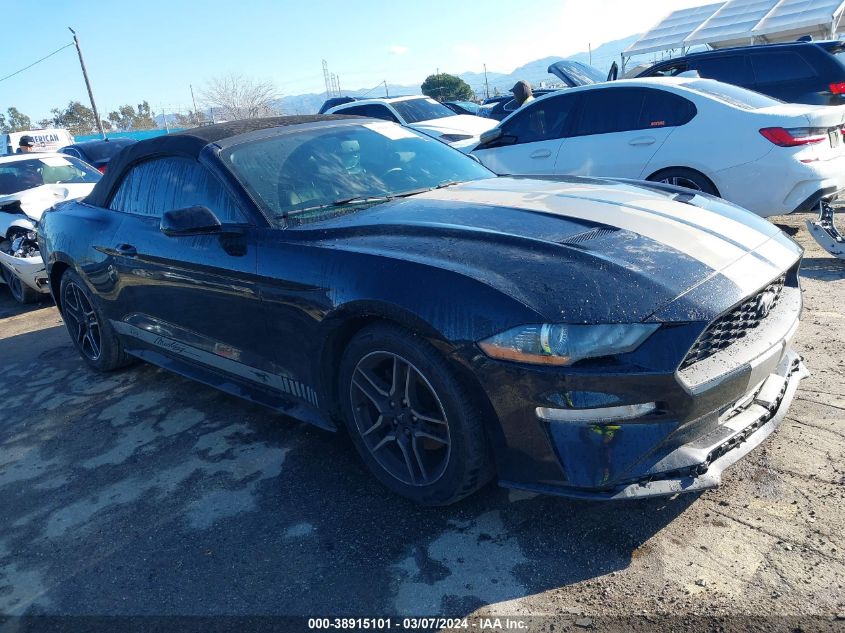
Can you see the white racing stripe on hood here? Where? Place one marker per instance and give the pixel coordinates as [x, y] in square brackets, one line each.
[687, 229]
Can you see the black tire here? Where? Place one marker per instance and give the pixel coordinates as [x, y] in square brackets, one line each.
[92, 334]
[448, 461]
[684, 177]
[20, 291]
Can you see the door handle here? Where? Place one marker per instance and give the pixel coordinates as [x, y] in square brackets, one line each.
[540, 153]
[642, 140]
[126, 250]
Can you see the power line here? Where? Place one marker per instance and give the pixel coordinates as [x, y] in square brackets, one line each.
[17, 72]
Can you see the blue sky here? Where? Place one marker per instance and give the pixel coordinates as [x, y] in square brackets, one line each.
[155, 49]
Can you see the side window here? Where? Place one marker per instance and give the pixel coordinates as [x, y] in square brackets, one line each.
[70, 152]
[542, 120]
[372, 110]
[165, 184]
[611, 110]
[664, 109]
[780, 66]
[666, 71]
[731, 69]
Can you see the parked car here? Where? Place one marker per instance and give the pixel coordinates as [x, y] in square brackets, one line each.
[29, 184]
[97, 153]
[498, 108]
[797, 72]
[764, 155]
[425, 115]
[571, 336]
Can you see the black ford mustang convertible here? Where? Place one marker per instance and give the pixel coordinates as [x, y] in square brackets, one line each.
[583, 337]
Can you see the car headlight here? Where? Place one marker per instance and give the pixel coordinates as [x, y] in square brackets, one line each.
[563, 344]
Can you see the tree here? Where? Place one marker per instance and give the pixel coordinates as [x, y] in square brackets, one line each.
[14, 121]
[191, 119]
[446, 87]
[235, 96]
[76, 119]
[127, 118]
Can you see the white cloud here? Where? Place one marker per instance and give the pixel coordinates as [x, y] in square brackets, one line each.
[396, 49]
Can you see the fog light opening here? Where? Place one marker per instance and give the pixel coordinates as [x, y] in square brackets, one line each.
[601, 414]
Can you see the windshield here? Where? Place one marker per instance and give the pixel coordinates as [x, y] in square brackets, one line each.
[734, 95]
[320, 172]
[416, 110]
[20, 175]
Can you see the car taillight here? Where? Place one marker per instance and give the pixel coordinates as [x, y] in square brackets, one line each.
[838, 88]
[792, 137]
[102, 169]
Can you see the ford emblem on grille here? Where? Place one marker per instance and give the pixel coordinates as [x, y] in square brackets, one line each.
[764, 303]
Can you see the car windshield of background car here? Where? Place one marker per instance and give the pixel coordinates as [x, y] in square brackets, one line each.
[416, 110]
[27, 174]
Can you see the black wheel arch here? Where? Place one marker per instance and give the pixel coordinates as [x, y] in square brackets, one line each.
[347, 322]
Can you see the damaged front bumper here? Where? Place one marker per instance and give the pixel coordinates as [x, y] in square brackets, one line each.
[741, 427]
[30, 270]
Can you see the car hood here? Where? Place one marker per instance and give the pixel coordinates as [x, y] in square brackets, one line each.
[33, 202]
[577, 249]
[458, 124]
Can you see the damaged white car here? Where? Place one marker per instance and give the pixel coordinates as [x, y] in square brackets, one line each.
[30, 184]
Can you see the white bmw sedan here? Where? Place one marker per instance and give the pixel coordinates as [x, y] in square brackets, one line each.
[757, 152]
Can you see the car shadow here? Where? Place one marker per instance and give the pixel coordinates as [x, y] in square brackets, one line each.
[140, 492]
[823, 268]
[10, 307]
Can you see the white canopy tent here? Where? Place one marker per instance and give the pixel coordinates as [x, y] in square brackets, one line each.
[740, 23]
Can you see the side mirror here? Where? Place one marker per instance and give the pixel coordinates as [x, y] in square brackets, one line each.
[196, 220]
[490, 135]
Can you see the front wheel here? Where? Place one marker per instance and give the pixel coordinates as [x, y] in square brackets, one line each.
[20, 291]
[683, 177]
[92, 335]
[410, 418]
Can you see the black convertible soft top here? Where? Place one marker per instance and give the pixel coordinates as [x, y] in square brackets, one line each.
[189, 143]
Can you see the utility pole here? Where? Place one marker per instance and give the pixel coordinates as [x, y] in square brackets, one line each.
[486, 85]
[386, 94]
[196, 114]
[164, 114]
[88, 84]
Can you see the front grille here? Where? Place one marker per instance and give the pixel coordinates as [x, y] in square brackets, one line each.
[736, 324]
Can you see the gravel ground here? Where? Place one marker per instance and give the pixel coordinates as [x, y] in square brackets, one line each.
[143, 494]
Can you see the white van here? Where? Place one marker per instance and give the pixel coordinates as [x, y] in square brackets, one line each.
[45, 140]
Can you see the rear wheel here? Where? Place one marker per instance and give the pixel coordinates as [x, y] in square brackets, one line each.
[94, 337]
[684, 177]
[411, 420]
[20, 291]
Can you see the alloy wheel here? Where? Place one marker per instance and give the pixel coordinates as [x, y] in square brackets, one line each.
[400, 418]
[82, 320]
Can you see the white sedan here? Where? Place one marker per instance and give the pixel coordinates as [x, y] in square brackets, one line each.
[461, 131]
[29, 185]
[764, 155]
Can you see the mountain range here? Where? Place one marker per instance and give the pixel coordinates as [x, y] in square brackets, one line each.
[534, 72]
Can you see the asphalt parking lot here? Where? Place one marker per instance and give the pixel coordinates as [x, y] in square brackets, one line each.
[141, 493]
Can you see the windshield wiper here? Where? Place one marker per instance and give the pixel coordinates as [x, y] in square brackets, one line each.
[341, 202]
[413, 192]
